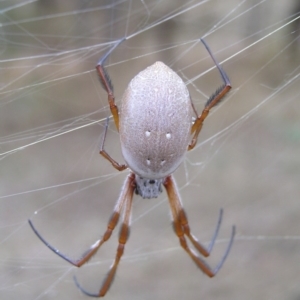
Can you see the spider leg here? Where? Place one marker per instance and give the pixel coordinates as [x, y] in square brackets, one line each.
[106, 83]
[123, 237]
[211, 102]
[186, 228]
[114, 163]
[181, 228]
[110, 227]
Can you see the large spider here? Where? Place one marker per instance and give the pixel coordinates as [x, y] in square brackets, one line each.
[156, 130]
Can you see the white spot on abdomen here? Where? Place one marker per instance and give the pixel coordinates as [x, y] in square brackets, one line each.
[168, 135]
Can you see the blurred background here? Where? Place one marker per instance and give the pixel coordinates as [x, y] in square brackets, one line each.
[52, 117]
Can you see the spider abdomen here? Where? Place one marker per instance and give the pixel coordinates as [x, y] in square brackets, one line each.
[155, 122]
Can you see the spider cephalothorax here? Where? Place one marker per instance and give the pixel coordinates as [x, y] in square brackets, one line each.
[148, 188]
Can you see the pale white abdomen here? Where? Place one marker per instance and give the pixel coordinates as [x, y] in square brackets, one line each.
[155, 122]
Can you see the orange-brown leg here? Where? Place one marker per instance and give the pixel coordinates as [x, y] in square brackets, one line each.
[110, 227]
[114, 163]
[211, 102]
[123, 236]
[181, 228]
[107, 85]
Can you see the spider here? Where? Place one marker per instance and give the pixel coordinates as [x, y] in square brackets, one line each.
[156, 129]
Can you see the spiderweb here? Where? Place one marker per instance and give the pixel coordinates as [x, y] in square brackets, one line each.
[52, 117]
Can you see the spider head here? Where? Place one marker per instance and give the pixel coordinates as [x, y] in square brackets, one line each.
[148, 188]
